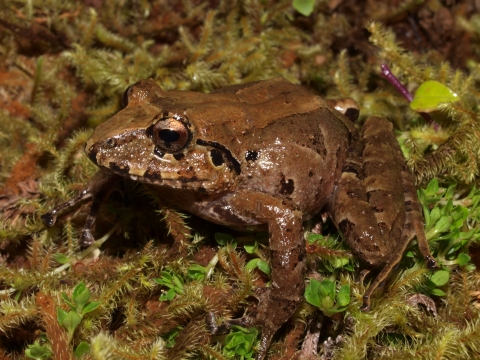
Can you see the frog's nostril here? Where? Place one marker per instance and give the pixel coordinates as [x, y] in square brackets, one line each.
[92, 154]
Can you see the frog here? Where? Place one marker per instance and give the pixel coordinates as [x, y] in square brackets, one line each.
[264, 155]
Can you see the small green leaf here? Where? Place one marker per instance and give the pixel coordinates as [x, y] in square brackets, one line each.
[82, 349]
[440, 277]
[71, 321]
[327, 303]
[61, 314]
[344, 295]
[260, 264]
[312, 238]
[349, 267]
[170, 337]
[168, 296]
[178, 282]
[450, 191]
[263, 266]
[67, 300]
[252, 264]
[82, 298]
[304, 7]
[196, 272]
[37, 351]
[327, 288]
[437, 292]
[457, 246]
[463, 259]
[442, 225]
[430, 95]
[312, 293]
[435, 215]
[234, 340]
[241, 328]
[240, 343]
[90, 307]
[251, 247]
[78, 289]
[339, 262]
[60, 258]
[432, 187]
[447, 209]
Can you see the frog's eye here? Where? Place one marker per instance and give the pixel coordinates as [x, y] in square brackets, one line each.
[171, 135]
[125, 96]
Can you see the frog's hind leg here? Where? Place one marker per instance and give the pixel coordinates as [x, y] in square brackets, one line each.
[352, 213]
[414, 221]
[413, 226]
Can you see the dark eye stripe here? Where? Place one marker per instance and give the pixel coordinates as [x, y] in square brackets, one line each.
[232, 163]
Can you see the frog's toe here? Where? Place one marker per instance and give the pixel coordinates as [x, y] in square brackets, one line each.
[246, 321]
[266, 339]
[50, 218]
[86, 239]
[366, 304]
[431, 262]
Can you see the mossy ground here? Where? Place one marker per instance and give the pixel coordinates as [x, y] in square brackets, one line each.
[63, 68]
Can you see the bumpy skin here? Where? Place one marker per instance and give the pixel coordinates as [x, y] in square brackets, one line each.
[267, 153]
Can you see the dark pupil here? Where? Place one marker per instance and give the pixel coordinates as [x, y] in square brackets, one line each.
[168, 135]
[217, 157]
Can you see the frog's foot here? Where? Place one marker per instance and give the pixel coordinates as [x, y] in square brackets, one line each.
[287, 261]
[98, 188]
[246, 321]
[273, 311]
[431, 262]
[216, 329]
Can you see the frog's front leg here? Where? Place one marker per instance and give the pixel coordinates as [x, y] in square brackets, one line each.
[98, 188]
[287, 260]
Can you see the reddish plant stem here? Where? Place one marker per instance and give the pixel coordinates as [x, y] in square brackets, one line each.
[392, 79]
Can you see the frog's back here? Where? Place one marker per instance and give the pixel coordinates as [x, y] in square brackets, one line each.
[292, 144]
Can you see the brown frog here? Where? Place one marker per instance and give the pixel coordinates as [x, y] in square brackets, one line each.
[265, 153]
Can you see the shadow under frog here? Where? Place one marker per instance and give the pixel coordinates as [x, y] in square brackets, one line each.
[264, 153]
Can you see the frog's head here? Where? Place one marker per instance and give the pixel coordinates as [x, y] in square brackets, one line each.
[152, 140]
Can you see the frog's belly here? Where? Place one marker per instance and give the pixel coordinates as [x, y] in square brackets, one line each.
[220, 212]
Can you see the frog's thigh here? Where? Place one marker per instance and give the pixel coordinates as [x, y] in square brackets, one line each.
[382, 166]
[352, 213]
[401, 188]
[287, 258]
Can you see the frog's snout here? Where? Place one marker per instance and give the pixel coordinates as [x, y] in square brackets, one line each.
[91, 153]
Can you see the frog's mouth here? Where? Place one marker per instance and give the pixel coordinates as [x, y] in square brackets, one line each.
[135, 156]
